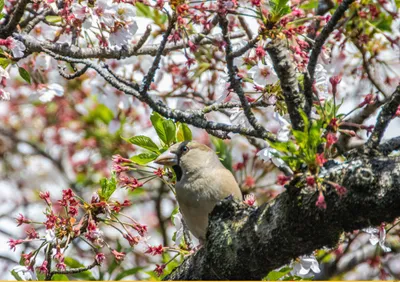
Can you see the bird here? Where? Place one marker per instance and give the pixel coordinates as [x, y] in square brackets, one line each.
[201, 182]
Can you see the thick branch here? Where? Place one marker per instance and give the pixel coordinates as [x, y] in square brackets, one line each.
[389, 146]
[247, 243]
[116, 52]
[15, 17]
[286, 71]
[384, 118]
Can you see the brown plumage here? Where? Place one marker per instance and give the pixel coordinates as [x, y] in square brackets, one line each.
[202, 181]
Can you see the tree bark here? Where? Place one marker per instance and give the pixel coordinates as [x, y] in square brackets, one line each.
[246, 243]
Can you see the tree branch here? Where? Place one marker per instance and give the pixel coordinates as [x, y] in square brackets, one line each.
[268, 237]
[15, 17]
[389, 146]
[195, 118]
[235, 83]
[319, 42]
[326, 31]
[285, 69]
[74, 270]
[116, 52]
[383, 120]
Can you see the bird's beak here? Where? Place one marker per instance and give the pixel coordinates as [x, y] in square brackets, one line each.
[167, 158]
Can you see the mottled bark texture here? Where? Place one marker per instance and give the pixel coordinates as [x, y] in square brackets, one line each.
[247, 243]
[285, 68]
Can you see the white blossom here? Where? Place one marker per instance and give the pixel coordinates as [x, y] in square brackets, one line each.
[50, 236]
[4, 74]
[177, 220]
[321, 81]
[105, 12]
[17, 48]
[307, 266]
[263, 74]
[4, 95]
[42, 62]
[123, 35]
[48, 92]
[80, 12]
[239, 118]
[378, 235]
[24, 273]
[269, 154]
[284, 130]
[126, 12]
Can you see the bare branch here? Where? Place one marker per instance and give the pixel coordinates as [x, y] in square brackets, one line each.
[246, 27]
[319, 42]
[115, 52]
[326, 31]
[61, 70]
[383, 120]
[74, 270]
[235, 83]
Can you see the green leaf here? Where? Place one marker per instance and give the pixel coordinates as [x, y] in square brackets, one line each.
[284, 147]
[59, 277]
[85, 275]
[4, 62]
[24, 74]
[144, 158]
[157, 122]
[53, 19]
[16, 276]
[143, 10]
[223, 152]
[279, 8]
[144, 142]
[108, 186]
[1, 5]
[313, 4]
[276, 275]
[102, 113]
[184, 132]
[174, 212]
[128, 272]
[170, 131]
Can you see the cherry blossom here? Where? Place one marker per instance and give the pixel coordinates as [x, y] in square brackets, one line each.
[263, 74]
[321, 81]
[48, 92]
[285, 127]
[378, 235]
[24, 273]
[177, 221]
[306, 267]
[268, 154]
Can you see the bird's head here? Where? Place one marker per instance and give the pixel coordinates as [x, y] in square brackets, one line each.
[188, 156]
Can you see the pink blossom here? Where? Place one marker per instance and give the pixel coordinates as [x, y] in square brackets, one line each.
[100, 257]
[159, 269]
[43, 268]
[320, 203]
[155, 250]
[119, 256]
[250, 199]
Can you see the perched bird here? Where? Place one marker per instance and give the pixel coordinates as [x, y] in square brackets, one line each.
[202, 181]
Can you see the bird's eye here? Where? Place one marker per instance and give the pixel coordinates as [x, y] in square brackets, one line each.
[185, 149]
